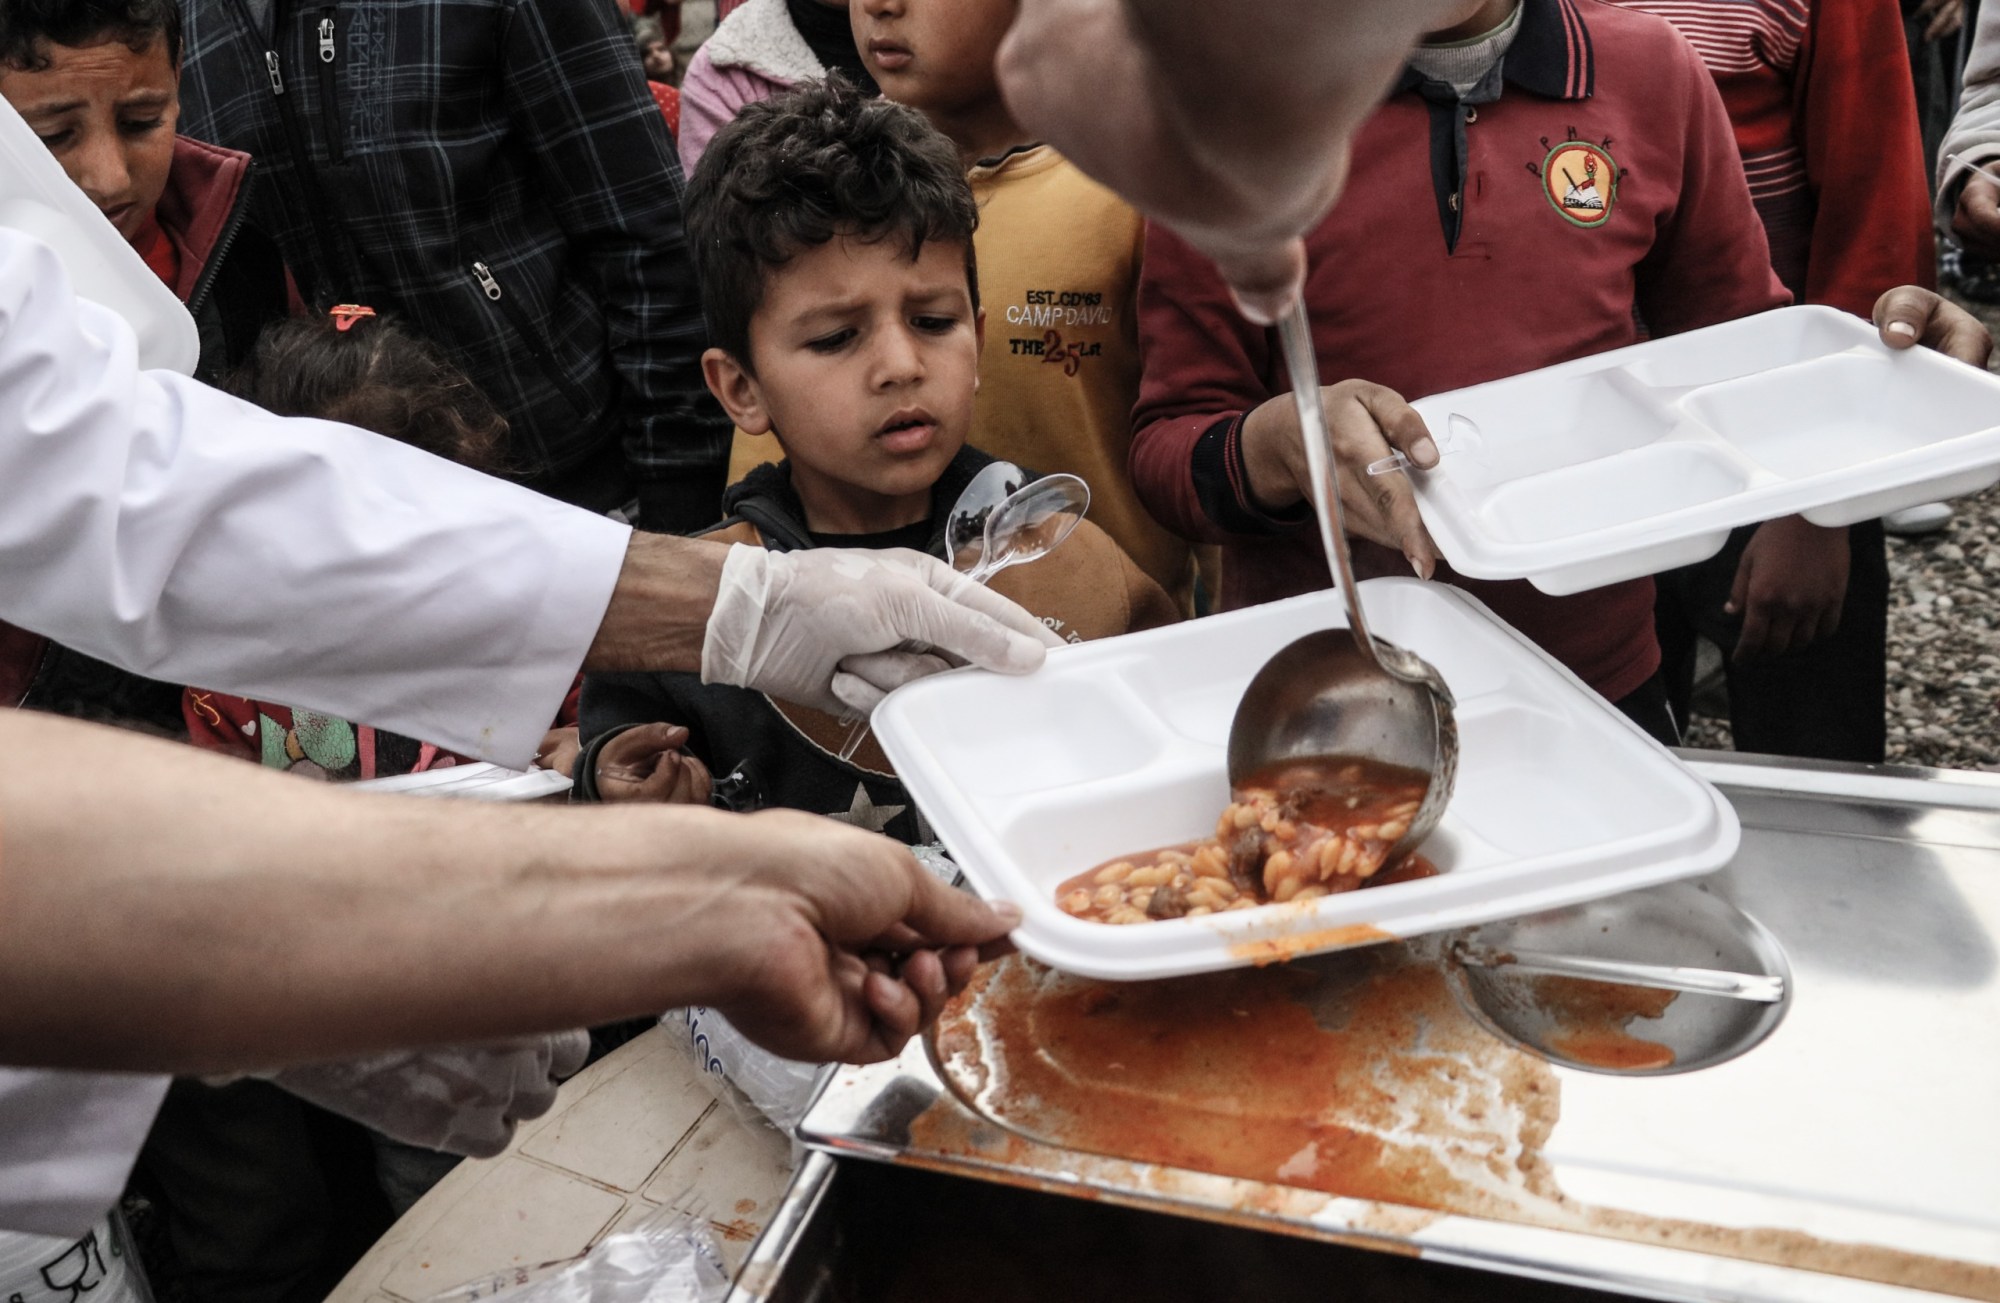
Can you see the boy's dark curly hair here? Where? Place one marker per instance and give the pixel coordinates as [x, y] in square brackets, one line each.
[796, 170]
[27, 27]
[375, 375]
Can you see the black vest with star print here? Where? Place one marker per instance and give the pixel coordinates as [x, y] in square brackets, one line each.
[765, 754]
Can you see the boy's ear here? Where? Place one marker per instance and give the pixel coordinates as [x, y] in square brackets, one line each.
[737, 390]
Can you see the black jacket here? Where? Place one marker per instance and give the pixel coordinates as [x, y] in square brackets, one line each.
[495, 173]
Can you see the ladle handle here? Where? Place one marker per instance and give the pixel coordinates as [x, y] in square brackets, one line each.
[1295, 340]
[1760, 988]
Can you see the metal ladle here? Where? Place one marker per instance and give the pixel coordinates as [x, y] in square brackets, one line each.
[1343, 694]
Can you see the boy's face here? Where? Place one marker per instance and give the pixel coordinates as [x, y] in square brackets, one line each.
[933, 55]
[866, 365]
[107, 113]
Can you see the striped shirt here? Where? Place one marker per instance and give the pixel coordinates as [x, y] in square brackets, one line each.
[1819, 95]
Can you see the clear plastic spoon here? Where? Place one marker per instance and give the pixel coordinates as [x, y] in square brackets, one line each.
[1460, 434]
[965, 526]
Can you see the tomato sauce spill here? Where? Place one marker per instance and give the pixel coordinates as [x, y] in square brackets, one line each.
[1355, 1075]
[1592, 1021]
[1295, 831]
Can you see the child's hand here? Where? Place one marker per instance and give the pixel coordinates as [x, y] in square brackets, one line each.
[1976, 219]
[558, 751]
[647, 764]
[1789, 588]
[1910, 315]
[1367, 422]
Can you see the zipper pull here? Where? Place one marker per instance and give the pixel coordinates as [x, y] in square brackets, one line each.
[326, 40]
[484, 275]
[277, 75]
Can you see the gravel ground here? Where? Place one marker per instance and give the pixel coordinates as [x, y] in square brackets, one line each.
[1944, 639]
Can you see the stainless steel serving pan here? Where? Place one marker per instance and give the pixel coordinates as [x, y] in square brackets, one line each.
[1853, 1154]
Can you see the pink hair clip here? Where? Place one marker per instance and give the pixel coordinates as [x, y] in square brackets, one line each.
[346, 314]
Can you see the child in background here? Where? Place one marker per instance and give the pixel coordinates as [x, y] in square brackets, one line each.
[361, 370]
[837, 272]
[1544, 174]
[1830, 141]
[99, 83]
[758, 49]
[656, 56]
[1059, 259]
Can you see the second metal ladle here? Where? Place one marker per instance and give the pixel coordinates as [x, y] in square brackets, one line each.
[1343, 694]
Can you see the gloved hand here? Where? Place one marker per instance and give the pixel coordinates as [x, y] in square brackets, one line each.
[838, 629]
[462, 1100]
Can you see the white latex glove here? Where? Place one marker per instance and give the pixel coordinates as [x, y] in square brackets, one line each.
[839, 629]
[462, 1100]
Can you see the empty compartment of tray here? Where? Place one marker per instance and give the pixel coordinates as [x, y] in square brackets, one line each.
[1747, 346]
[1838, 413]
[1538, 424]
[1598, 495]
[1064, 730]
[1536, 783]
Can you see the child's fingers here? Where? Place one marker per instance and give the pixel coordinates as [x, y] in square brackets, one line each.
[1739, 605]
[1903, 314]
[669, 780]
[1975, 220]
[635, 744]
[701, 785]
[1755, 637]
[1394, 498]
[1910, 315]
[1401, 424]
[689, 787]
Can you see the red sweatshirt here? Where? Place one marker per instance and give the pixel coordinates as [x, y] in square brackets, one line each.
[1604, 181]
[1819, 94]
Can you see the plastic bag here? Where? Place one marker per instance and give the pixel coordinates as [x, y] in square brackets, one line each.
[670, 1258]
[776, 1090]
[56, 1269]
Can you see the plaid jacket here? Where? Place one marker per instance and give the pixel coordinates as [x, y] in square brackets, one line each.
[496, 173]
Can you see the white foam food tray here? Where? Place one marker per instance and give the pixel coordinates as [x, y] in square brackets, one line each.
[477, 781]
[1117, 746]
[1642, 459]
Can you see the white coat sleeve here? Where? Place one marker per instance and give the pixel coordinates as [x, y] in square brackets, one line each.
[169, 529]
[67, 1143]
[1974, 135]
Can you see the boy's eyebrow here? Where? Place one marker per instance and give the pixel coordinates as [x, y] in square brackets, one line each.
[835, 309]
[942, 294]
[51, 108]
[55, 108]
[829, 311]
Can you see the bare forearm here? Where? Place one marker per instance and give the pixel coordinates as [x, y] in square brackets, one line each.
[1229, 122]
[1297, 79]
[659, 611]
[213, 916]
